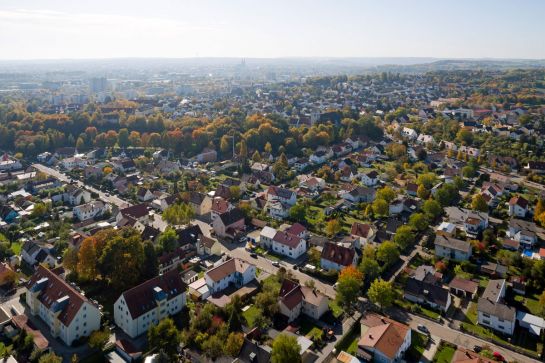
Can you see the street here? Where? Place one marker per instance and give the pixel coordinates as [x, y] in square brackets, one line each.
[112, 199]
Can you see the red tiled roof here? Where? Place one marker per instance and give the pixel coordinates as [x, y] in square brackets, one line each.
[290, 294]
[338, 254]
[54, 289]
[286, 239]
[360, 229]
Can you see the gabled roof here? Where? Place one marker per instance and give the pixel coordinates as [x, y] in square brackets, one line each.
[143, 298]
[51, 288]
[520, 201]
[338, 254]
[287, 239]
[227, 268]
[452, 243]
[232, 216]
[360, 229]
[136, 211]
[383, 334]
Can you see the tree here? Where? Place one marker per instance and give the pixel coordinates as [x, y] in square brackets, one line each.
[298, 213]
[349, 285]
[387, 253]
[370, 268]
[165, 336]
[87, 259]
[380, 207]
[98, 339]
[542, 302]
[285, 348]
[213, 347]
[422, 192]
[243, 150]
[280, 167]
[432, 208]
[314, 256]
[256, 157]
[40, 210]
[122, 258]
[267, 301]
[234, 344]
[418, 221]
[428, 180]
[540, 207]
[333, 227]
[168, 240]
[225, 144]
[268, 148]
[386, 193]
[234, 314]
[151, 264]
[70, 258]
[50, 358]
[469, 171]
[234, 192]
[404, 237]
[178, 214]
[478, 203]
[381, 293]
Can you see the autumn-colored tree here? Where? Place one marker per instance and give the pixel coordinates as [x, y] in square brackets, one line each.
[332, 227]
[70, 258]
[87, 259]
[256, 157]
[349, 286]
[479, 204]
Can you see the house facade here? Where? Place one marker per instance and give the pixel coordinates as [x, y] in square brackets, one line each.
[137, 309]
[67, 313]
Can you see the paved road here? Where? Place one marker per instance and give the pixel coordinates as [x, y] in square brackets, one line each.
[454, 336]
[112, 199]
[266, 265]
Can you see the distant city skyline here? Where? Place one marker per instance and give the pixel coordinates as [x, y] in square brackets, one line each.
[60, 29]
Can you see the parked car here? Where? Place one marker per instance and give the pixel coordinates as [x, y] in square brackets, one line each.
[423, 328]
[253, 255]
[477, 348]
[276, 264]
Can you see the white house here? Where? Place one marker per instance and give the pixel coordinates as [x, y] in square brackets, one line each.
[266, 237]
[370, 179]
[89, 210]
[67, 313]
[336, 257]
[74, 162]
[452, 248]
[234, 272]
[289, 245]
[33, 254]
[283, 195]
[492, 311]
[383, 340]
[137, 309]
[321, 156]
[409, 133]
[518, 207]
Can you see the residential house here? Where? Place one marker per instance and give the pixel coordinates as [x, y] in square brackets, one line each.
[233, 272]
[90, 210]
[370, 179]
[357, 194]
[34, 254]
[208, 246]
[524, 232]
[321, 156]
[207, 155]
[145, 305]
[492, 311]
[219, 206]
[383, 340]
[68, 314]
[144, 195]
[336, 257]
[363, 232]
[295, 300]
[229, 224]
[518, 207]
[200, 202]
[452, 248]
[281, 194]
[425, 287]
[289, 245]
[266, 237]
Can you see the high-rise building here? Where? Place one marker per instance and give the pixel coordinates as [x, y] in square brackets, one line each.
[98, 84]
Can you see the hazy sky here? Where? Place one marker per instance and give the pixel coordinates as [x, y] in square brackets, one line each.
[273, 28]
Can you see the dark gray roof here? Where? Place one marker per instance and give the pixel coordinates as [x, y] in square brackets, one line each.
[452, 243]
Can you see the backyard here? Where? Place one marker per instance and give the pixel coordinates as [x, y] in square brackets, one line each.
[445, 352]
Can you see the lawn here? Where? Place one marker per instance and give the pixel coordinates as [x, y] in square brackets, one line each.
[530, 303]
[349, 343]
[444, 353]
[251, 314]
[336, 310]
[16, 248]
[419, 342]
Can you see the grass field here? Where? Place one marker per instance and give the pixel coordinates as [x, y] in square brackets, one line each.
[444, 353]
[251, 314]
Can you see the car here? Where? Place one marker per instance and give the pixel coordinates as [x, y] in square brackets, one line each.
[295, 267]
[335, 286]
[498, 357]
[477, 348]
[276, 264]
[423, 328]
[253, 255]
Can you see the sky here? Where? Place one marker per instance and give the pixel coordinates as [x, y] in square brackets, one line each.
[54, 29]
